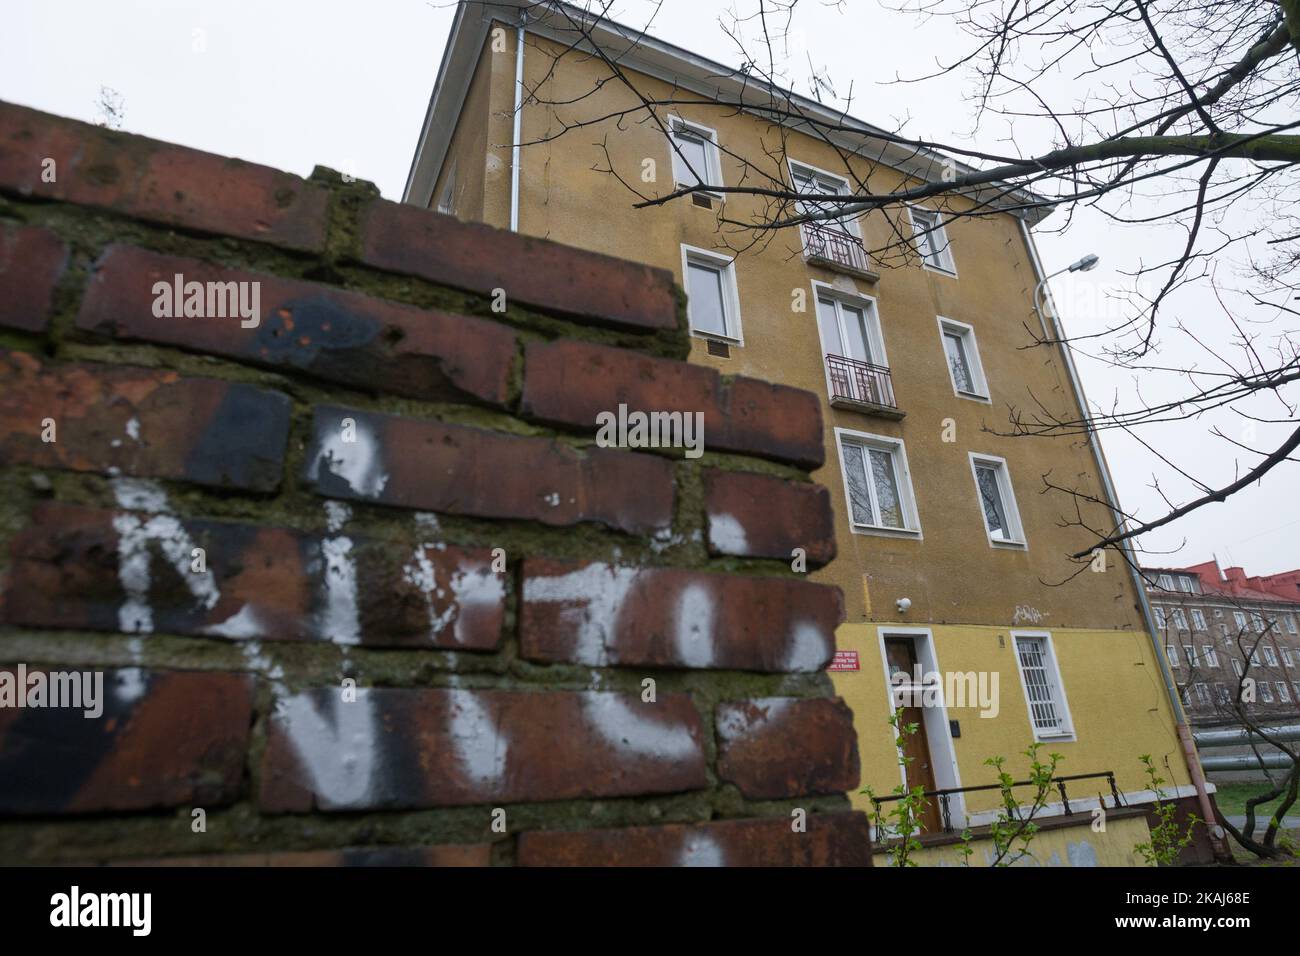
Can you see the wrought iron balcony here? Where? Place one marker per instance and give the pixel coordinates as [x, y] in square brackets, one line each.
[836, 247]
[861, 386]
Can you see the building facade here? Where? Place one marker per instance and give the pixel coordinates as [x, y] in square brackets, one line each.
[951, 559]
[1229, 640]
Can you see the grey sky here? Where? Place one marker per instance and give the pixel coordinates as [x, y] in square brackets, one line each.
[344, 84]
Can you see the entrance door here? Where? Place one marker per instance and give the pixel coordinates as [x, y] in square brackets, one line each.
[900, 654]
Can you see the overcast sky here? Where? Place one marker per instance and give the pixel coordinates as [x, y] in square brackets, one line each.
[293, 84]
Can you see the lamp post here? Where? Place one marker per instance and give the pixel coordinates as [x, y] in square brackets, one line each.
[1086, 264]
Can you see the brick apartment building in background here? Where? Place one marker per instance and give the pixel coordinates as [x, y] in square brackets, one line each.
[949, 555]
[1221, 628]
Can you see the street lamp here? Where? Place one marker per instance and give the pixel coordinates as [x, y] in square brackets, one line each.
[1086, 264]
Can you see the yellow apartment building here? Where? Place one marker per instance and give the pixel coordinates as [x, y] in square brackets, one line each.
[950, 556]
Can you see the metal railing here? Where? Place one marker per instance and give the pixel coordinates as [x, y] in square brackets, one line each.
[946, 810]
[861, 382]
[834, 244]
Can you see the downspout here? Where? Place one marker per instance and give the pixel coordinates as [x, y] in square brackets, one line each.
[516, 149]
[1112, 501]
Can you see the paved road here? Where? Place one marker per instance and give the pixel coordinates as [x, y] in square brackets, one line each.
[1288, 823]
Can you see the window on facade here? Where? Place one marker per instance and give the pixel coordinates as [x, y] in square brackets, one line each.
[1283, 692]
[1290, 624]
[1189, 651]
[1172, 654]
[849, 329]
[1202, 694]
[1286, 656]
[1180, 619]
[932, 240]
[1257, 621]
[1222, 691]
[712, 300]
[813, 182]
[1270, 655]
[1165, 582]
[1198, 618]
[1187, 583]
[1295, 689]
[1265, 692]
[997, 500]
[1238, 667]
[963, 357]
[695, 158]
[1209, 655]
[1240, 619]
[1160, 617]
[1040, 676]
[877, 482]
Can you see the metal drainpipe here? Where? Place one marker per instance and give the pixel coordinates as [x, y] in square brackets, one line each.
[515, 148]
[1171, 689]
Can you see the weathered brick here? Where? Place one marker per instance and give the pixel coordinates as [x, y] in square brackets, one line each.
[832, 839]
[758, 516]
[603, 615]
[32, 260]
[474, 854]
[164, 739]
[263, 583]
[157, 181]
[533, 272]
[430, 465]
[398, 749]
[774, 747]
[141, 422]
[570, 382]
[334, 335]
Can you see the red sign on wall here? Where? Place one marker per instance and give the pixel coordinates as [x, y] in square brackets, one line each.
[844, 661]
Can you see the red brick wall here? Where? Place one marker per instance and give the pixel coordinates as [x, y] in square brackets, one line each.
[393, 487]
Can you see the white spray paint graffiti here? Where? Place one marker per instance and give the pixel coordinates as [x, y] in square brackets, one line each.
[700, 849]
[339, 617]
[592, 597]
[808, 649]
[739, 722]
[357, 462]
[480, 746]
[135, 532]
[340, 754]
[727, 535]
[695, 620]
[614, 718]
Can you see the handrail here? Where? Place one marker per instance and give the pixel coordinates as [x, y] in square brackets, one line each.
[858, 381]
[834, 244]
[1060, 782]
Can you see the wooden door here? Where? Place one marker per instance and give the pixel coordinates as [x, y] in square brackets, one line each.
[900, 653]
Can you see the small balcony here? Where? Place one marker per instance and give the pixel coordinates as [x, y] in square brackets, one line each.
[836, 248]
[861, 386]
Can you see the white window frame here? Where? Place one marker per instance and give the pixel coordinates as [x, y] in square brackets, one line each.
[1203, 693]
[875, 330]
[1171, 654]
[975, 365]
[1189, 651]
[1019, 542]
[1165, 582]
[1224, 697]
[1238, 667]
[1054, 673]
[1283, 692]
[1180, 619]
[712, 155]
[1295, 689]
[902, 475]
[843, 188]
[1265, 692]
[1257, 620]
[1209, 655]
[1290, 624]
[1239, 618]
[938, 235]
[1161, 622]
[1286, 655]
[731, 291]
[1198, 619]
[1270, 655]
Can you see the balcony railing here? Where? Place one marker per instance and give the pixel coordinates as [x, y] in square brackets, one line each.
[945, 807]
[860, 383]
[835, 245]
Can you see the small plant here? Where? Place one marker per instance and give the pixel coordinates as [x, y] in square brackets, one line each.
[1167, 838]
[902, 822]
[1014, 828]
